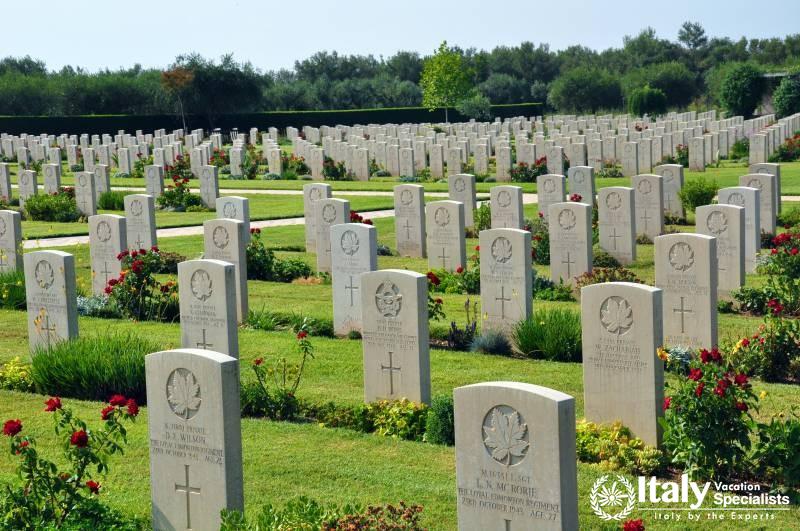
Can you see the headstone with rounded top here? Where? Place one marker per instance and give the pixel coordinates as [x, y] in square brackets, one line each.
[617, 223]
[409, 220]
[570, 231]
[107, 239]
[10, 241]
[51, 296]
[506, 207]
[750, 200]
[649, 204]
[444, 222]
[329, 212]
[226, 240]
[506, 278]
[353, 252]
[726, 224]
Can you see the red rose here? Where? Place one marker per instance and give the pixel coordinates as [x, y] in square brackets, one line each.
[52, 403]
[133, 254]
[633, 525]
[478, 248]
[715, 354]
[93, 486]
[106, 412]
[113, 282]
[794, 251]
[79, 438]
[740, 379]
[699, 390]
[133, 407]
[22, 444]
[367, 222]
[302, 334]
[108, 290]
[541, 214]
[459, 270]
[154, 249]
[142, 252]
[705, 356]
[667, 402]
[12, 427]
[695, 374]
[117, 400]
[745, 342]
[252, 231]
[258, 361]
[438, 301]
[774, 251]
[741, 406]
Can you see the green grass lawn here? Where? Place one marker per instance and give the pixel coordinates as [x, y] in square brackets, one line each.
[284, 460]
[726, 175]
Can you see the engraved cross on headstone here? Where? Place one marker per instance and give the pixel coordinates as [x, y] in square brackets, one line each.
[408, 228]
[351, 288]
[502, 298]
[139, 243]
[204, 344]
[444, 258]
[3, 256]
[106, 272]
[614, 237]
[568, 262]
[391, 369]
[683, 311]
[646, 217]
[668, 202]
[189, 490]
[48, 329]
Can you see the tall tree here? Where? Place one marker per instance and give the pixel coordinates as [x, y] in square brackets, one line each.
[692, 35]
[445, 81]
[175, 82]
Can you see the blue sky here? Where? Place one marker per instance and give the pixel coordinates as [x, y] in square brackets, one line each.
[97, 34]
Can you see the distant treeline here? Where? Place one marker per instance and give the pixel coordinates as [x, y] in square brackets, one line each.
[688, 71]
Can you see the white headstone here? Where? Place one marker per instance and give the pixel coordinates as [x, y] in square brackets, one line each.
[353, 252]
[444, 222]
[51, 296]
[107, 239]
[726, 224]
[409, 220]
[570, 231]
[329, 212]
[506, 278]
[226, 240]
[617, 223]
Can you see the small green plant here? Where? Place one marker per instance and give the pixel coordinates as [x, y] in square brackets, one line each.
[271, 320]
[93, 368]
[775, 455]
[739, 150]
[61, 494]
[262, 264]
[178, 197]
[614, 447]
[399, 419]
[16, 376]
[540, 239]
[490, 342]
[299, 513]
[600, 275]
[12, 290]
[545, 289]
[550, 333]
[137, 293]
[461, 338]
[527, 173]
[482, 217]
[697, 192]
[60, 208]
[602, 259]
[274, 393]
[440, 424]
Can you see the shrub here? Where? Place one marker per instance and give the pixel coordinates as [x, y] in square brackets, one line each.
[490, 342]
[610, 170]
[381, 518]
[137, 294]
[540, 239]
[262, 264]
[476, 106]
[753, 300]
[706, 419]
[676, 359]
[178, 197]
[697, 192]
[775, 456]
[271, 320]
[16, 376]
[769, 353]
[59, 208]
[550, 333]
[48, 493]
[585, 89]
[169, 262]
[298, 513]
[741, 90]
[482, 217]
[600, 275]
[602, 259]
[12, 290]
[786, 98]
[782, 268]
[614, 447]
[97, 307]
[546, 290]
[789, 151]
[336, 171]
[94, 368]
[739, 150]
[111, 200]
[789, 217]
[527, 173]
[647, 100]
[440, 425]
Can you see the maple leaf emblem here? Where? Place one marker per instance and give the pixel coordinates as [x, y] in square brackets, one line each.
[616, 315]
[201, 284]
[183, 393]
[613, 201]
[103, 231]
[681, 256]
[501, 250]
[350, 243]
[717, 222]
[506, 437]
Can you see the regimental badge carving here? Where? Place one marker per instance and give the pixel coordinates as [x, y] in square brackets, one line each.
[501, 250]
[441, 217]
[229, 210]
[644, 187]
[388, 299]
[50, 171]
[207, 174]
[183, 393]
[103, 231]
[201, 285]
[579, 177]
[717, 222]
[549, 186]
[44, 275]
[459, 184]
[681, 256]
[220, 237]
[3, 227]
[505, 435]
[151, 173]
[667, 175]
[350, 243]
[137, 208]
[736, 199]
[406, 197]
[314, 194]
[613, 201]
[755, 183]
[567, 219]
[616, 315]
[23, 179]
[329, 213]
[82, 180]
[504, 198]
